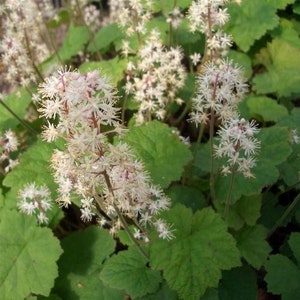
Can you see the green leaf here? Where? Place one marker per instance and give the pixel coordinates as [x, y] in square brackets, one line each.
[294, 242]
[18, 103]
[167, 6]
[81, 263]
[28, 257]
[280, 4]
[244, 211]
[253, 246]
[274, 150]
[34, 166]
[128, 270]
[283, 70]
[242, 60]
[164, 292]
[287, 32]
[193, 261]
[290, 168]
[112, 68]
[283, 277]
[296, 8]
[74, 41]
[264, 109]
[188, 196]
[250, 21]
[237, 284]
[106, 36]
[162, 152]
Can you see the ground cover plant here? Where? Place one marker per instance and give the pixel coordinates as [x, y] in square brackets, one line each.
[150, 149]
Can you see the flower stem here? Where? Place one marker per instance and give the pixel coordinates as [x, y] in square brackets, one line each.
[284, 215]
[211, 144]
[18, 118]
[229, 194]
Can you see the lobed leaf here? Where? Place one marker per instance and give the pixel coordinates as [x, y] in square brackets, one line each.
[112, 68]
[74, 41]
[81, 263]
[283, 70]
[253, 245]
[30, 256]
[294, 242]
[286, 282]
[193, 261]
[128, 271]
[106, 36]
[244, 211]
[250, 20]
[163, 154]
[263, 109]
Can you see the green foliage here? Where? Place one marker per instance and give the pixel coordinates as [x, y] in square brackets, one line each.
[263, 109]
[105, 37]
[246, 211]
[30, 256]
[18, 103]
[214, 256]
[285, 282]
[253, 246]
[246, 16]
[282, 76]
[128, 271]
[112, 68]
[275, 149]
[193, 261]
[161, 150]
[74, 42]
[81, 263]
[34, 166]
[238, 283]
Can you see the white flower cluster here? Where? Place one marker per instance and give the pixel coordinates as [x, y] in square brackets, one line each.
[175, 17]
[220, 88]
[134, 15]
[155, 79]
[23, 43]
[92, 17]
[208, 17]
[238, 145]
[35, 200]
[108, 179]
[8, 144]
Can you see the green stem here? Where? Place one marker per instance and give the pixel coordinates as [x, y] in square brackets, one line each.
[18, 118]
[229, 193]
[284, 215]
[211, 144]
[181, 116]
[31, 57]
[91, 33]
